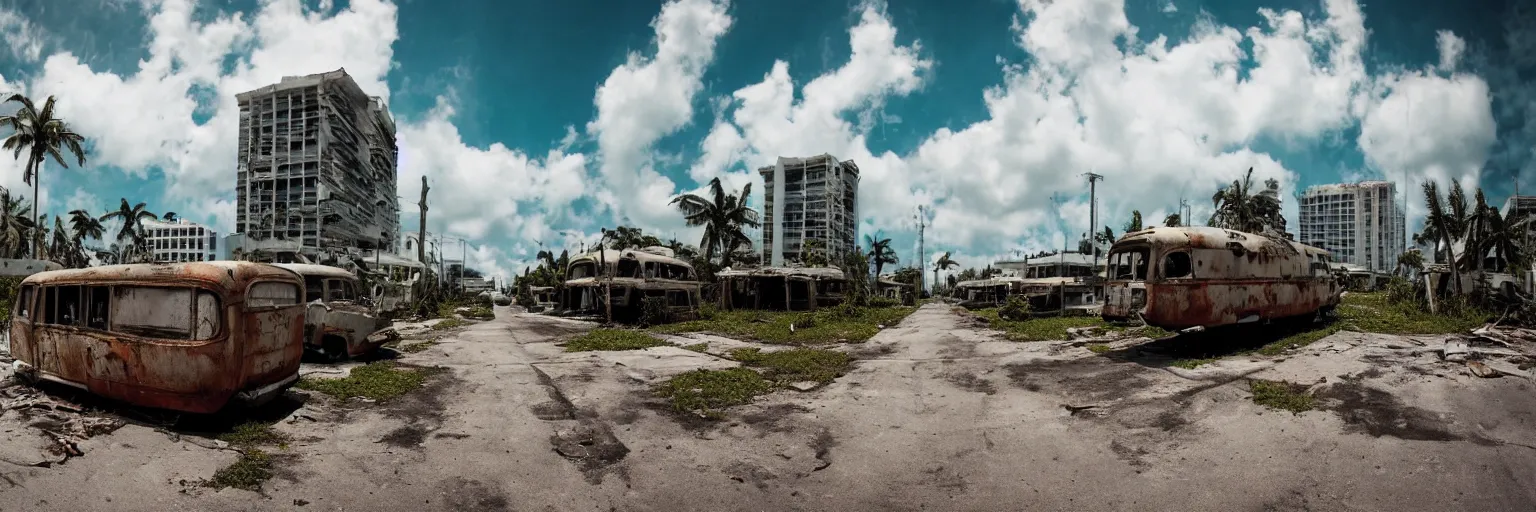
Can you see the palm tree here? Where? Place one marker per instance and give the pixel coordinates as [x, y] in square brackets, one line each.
[85, 226]
[41, 135]
[1173, 220]
[880, 255]
[133, 227]
[171, 216]
[944, 263]
[62, 248]
[723, 216]
[1135, 224]
[1238, 208]
[1445, 223]
[15, 226]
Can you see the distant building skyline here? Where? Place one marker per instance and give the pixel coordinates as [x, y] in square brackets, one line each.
[1360, 223]
[812, 198]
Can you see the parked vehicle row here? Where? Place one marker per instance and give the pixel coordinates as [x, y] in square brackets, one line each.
[189, 337]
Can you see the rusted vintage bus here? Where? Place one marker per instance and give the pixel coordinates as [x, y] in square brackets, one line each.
[184, 336]
[340, 320]
[628, 277]
[1176, 278]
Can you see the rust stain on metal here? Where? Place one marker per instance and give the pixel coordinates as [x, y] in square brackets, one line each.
[167, 359]
[1196, 276]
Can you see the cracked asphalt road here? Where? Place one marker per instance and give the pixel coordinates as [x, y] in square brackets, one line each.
[934, 415]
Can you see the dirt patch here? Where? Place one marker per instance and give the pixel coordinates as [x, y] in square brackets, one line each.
[553, 410]
[971, 382]
[1081, 380]
[465, 494]
[554, 329]
[873, 351]
[773, 418]
[590, 443]
[450, 435]
[594, 449]
[1131, 454]
[409, 436]
[744, 472]
[1367, 410]
[823, 443]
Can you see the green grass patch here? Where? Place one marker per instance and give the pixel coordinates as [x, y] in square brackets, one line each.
[416, 347]
[795, 365]
[1375, 312]
[1190, 364]
[451, 323]
[481, 313]
[1040, 329]
[254, 433]
[252, 469]
[1098, 348]
[1281, 395]
[707, 391]
[697, 347]
[377, 381]
[826, 325]
[613, 339]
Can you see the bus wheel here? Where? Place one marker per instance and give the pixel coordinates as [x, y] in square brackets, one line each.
[335, 348]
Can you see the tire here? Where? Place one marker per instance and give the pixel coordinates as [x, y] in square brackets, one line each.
[334, 349]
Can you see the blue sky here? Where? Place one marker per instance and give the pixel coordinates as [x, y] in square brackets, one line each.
[544, 121]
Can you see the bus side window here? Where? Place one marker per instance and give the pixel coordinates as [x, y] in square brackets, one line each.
[1176, 265]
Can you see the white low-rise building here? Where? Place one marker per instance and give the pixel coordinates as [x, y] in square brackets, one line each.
[181, 240]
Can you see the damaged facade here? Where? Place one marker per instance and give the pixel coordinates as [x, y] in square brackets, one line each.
[781, 288]
[1183, 277]
[1057, 284]
[187, 337]
[805, 199]
[316, 169]
[609, 282]
[1359, 223]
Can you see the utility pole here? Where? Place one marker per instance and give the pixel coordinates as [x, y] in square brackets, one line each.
[1061, 271]
[922, 223]
[1093, 215]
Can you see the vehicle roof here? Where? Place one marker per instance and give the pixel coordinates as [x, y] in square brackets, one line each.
[225, 274]
[642, 256]
[821, 272]
[1213, 238]
[316, 270]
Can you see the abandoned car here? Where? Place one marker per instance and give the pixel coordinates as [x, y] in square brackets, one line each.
[781, 288]
[339, 321]
[184, 336]
[616, 283]
[1182, 277]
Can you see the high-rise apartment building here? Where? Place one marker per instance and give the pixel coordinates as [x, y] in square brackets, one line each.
[1360, 223]
[317, 167]
[807, 199]
[181, 240]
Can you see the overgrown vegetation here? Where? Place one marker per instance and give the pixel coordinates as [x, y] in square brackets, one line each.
[697, 347]
[480, 313]
[1098, 348]
[253, 433]
[845, 323]
[451, 323]
[786, 367]
[1190, 364]
[1039, 329]
[1280, 395]
[375, 381]
[1016, 310]
[252, 469]
[8, 289]
[653, 311]
[1389, 312]
[707, 391]
[416, 347]
[612, 339]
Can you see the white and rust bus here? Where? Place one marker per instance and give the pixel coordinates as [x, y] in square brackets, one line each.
[1183, 277]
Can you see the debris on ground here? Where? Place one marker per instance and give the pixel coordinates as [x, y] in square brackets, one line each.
[60, 427]
[1482, 370]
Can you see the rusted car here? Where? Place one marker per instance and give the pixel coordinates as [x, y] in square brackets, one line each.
[184, 336]
[1183, 277]
[340, 321]
[626, 278]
